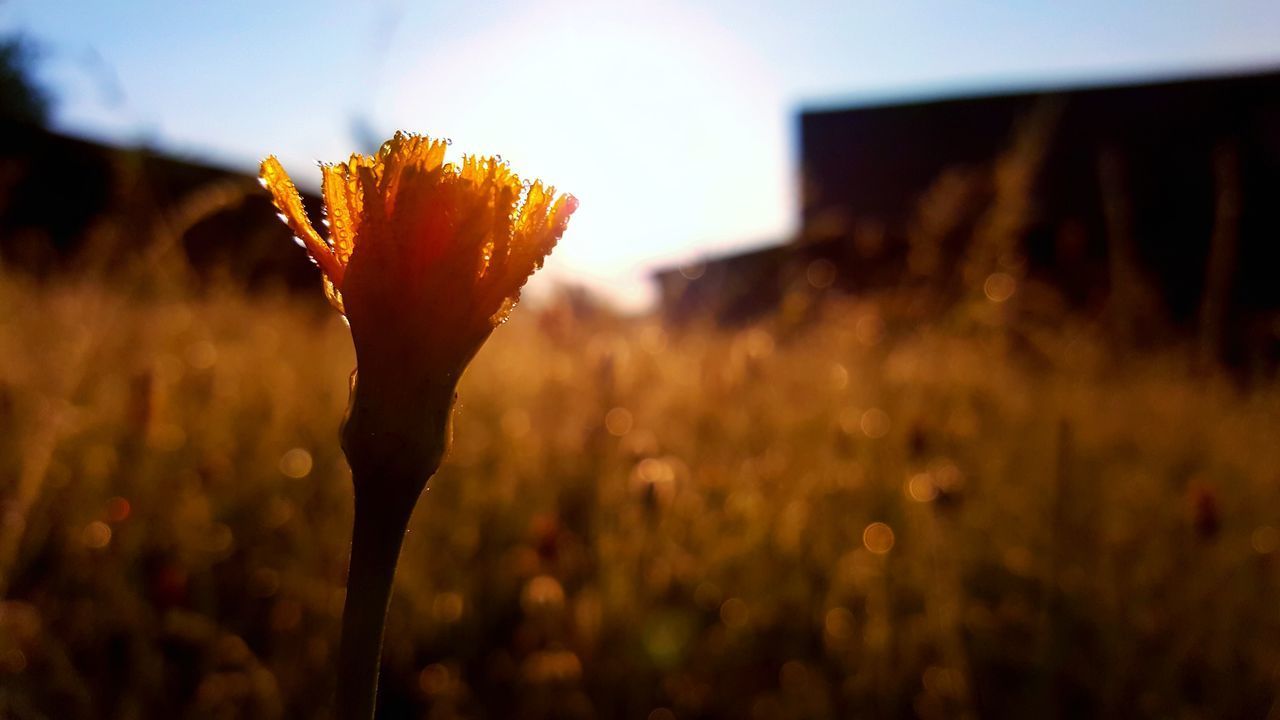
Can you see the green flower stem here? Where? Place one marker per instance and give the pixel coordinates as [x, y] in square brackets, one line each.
[394, 436]
[375, 548]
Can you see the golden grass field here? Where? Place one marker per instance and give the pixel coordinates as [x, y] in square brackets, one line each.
[843, 515]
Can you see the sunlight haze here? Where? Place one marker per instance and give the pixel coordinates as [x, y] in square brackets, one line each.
[673, 123]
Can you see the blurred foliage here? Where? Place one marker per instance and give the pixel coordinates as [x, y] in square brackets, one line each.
[20, 98]
[844, 510]
[947, 499]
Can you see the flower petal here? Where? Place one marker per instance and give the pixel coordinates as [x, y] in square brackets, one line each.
[342, 203]
[542, 221]
[289, 203]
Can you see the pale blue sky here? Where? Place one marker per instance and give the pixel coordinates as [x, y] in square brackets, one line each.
[672, 122]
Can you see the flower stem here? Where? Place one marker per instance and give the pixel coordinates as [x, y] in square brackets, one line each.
[375, 548]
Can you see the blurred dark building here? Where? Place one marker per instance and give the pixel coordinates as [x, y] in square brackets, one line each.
[67, 203]
[20, 98]
[1161, 197]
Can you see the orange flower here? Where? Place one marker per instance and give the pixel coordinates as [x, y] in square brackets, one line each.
[425, 258]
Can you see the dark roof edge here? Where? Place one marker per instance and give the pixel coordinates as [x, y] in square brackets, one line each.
[192, 158]
[761, 247]
[991, 88]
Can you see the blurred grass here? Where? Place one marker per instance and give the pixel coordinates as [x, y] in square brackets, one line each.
[852, 514]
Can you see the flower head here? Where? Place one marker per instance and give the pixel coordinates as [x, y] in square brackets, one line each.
[424, 258]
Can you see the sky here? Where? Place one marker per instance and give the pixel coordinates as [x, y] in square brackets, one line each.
[672, 122]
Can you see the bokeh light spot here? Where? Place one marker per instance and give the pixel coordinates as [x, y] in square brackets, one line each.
[118, 509]
[447, 607]
[1266, 539]
[219, 539]
[434, 680]
[878, 538]
[839, 377]
[542, 594]
[618, 421]
[869, 329]
[96, 535]
[734, 613]
[999, 287]
[296, 463]
[693, 271]
[875, 423]
[839, 623]
[821, 273]
[921, 488]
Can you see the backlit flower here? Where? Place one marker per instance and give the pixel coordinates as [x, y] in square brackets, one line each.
[425, 258]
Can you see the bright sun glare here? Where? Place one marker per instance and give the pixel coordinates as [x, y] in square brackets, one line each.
[670, 133]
